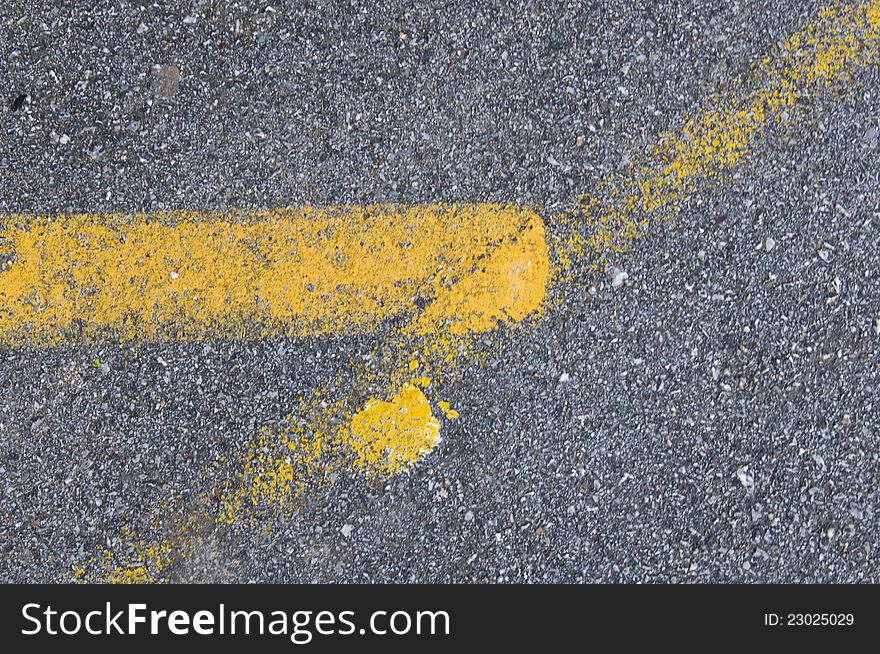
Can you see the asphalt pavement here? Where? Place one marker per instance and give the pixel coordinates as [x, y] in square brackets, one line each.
[701, 408]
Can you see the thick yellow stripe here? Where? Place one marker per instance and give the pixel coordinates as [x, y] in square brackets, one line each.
[252, 274]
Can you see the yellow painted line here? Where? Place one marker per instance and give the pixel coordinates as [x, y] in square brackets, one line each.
[256, 274]
[386, 435]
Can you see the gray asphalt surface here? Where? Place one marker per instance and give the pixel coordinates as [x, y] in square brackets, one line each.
[715, 356]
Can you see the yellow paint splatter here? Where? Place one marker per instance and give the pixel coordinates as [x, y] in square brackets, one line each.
[387, 437]
[380, 440]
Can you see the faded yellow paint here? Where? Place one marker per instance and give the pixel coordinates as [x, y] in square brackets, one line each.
[275, 471]
[143, 561]
[255, 274]
[827, 52]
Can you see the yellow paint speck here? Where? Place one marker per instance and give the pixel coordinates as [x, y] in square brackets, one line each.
[448, 411]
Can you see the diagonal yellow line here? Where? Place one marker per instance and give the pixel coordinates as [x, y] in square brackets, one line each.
[821, 57]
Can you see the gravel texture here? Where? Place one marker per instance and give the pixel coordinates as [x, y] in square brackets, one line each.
[704, 410]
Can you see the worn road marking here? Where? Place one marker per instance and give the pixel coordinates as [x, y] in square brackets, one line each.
[387, 435]
[255, 274]
[825, 54]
